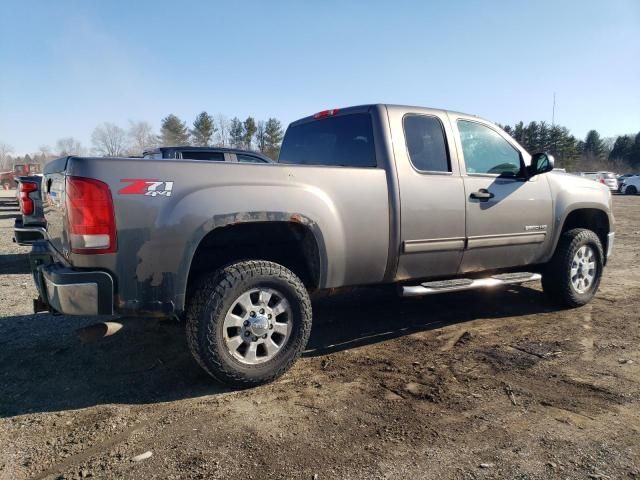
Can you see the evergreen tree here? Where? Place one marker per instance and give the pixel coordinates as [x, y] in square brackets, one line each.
[532, 137]
[634, 158]
[249, 131]
[518, 133]
[273, 137]
[203, 130]
[543, 140]
[593, 145]
[236, 133]
[174, 131]
[622, 148]
[261, 138]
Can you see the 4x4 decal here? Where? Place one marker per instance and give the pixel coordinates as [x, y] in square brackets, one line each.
[144, 186]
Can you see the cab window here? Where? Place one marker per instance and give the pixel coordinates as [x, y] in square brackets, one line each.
[424, 136]
[485, 151]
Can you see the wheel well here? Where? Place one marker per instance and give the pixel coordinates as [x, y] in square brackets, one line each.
[290, 244]
[591, 218]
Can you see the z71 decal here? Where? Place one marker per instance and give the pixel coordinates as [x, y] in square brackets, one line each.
[142, 186]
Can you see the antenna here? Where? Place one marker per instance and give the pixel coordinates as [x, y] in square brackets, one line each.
[553, 112]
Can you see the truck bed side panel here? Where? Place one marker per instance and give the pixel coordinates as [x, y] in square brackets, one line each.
[346, 208]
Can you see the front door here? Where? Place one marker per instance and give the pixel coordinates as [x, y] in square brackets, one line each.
[508, 214]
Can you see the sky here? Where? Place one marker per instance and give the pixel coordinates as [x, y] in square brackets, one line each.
[67, 66]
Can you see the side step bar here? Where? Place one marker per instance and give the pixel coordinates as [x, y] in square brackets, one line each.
[459, 284]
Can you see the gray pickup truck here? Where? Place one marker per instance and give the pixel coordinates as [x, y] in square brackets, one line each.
[429, 200]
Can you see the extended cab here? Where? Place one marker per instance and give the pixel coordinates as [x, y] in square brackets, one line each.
[430, 200]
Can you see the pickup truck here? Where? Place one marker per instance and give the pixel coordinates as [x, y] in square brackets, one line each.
[429, 200]
[212, 154]
[29, 226]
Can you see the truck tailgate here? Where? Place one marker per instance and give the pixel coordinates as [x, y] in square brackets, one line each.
[53, 199]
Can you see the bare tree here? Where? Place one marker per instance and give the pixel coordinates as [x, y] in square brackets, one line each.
[141, 137]
[109, 140]
[5, 155]
[222, 122]
[69, 146]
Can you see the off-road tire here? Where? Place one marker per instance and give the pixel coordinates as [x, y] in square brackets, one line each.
[556, 276]
[211, 299]
[630, 190]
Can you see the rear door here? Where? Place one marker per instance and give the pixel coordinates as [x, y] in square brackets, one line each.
[507, 214]
[432, 209]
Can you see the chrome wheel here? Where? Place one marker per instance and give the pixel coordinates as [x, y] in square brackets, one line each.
[257, 325]
[583, 269]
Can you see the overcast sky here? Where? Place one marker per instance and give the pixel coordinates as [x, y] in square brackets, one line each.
[66, 66]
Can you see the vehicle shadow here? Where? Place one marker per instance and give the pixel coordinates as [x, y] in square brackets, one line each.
[374, 315]
[14, 263]
[46, 366]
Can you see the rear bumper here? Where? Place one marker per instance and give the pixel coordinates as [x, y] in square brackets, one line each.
[69, 291]
[27, 235]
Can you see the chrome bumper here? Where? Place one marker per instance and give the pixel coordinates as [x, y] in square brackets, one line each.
[610, 240]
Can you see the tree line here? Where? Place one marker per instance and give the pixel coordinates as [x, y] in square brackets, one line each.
[620, 154]
[111, 140]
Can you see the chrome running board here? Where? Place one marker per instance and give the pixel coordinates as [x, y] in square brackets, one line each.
[459, 284]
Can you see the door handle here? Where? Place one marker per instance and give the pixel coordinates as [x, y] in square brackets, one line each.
[483, 194]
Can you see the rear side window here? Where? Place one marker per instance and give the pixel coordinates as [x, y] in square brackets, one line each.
[345, 140]
[242, 158]
[212, 156]
[425, 140]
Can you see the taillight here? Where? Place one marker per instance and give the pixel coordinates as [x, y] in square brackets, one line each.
[26, 203]
[602, 181]
[326, 113]
[92, 224]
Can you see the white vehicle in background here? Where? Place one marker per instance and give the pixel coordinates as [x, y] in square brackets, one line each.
[606, 178]
[631, 185]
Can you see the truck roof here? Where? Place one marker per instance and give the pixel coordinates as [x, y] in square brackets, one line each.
[365, 108]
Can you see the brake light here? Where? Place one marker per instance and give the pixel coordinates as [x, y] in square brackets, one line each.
[602, 181]
[26, 203]
[90, 216]
[326, 113]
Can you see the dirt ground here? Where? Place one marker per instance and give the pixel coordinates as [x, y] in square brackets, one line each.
[470, 385]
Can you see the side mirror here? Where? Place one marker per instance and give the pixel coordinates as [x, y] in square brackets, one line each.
[541, 163]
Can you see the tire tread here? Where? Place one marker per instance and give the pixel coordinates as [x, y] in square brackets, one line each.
[555, 282]
[209, 293]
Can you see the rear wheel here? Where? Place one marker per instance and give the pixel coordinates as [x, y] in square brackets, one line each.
[631, 190]
[248, 323]
[573, 275]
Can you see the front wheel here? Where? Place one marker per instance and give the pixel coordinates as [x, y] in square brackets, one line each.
[248, 323]
[573, 275]
[630, 190]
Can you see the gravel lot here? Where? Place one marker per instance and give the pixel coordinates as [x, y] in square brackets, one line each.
[467, 385]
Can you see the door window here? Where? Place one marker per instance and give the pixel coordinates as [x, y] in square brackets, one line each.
[485, 151]
[424, 136]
